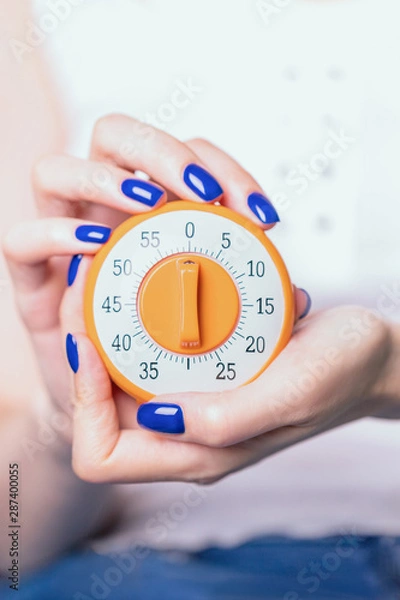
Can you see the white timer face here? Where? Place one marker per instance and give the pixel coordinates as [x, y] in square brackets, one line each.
[188, 300]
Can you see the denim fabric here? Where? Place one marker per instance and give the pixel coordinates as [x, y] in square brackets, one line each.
[346, 567]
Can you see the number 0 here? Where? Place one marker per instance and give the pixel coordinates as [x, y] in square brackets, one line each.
[190, 229]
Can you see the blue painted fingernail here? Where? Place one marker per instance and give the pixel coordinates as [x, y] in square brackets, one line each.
[164, 418]
[93, 233]
[308, 306]
[142, 191]
[72, 352]
[262, 208]
[202, 183]
[73, 268]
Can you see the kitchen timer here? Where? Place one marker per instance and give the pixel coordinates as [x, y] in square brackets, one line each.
[189, 297]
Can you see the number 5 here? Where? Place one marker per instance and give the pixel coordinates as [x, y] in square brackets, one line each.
[226, 241]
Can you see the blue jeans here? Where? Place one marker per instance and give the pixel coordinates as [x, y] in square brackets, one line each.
[268, 568]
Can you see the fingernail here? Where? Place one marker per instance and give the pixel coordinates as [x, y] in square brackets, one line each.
[93, 233]
[73, 268]
[72, 352]
[164, 418]
[262, 208]
[308, 306]
[142, 191]
[202, 183]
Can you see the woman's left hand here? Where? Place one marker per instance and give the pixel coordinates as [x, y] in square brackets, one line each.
[334, 370]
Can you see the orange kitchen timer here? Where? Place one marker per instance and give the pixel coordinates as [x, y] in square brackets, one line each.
[190, 297]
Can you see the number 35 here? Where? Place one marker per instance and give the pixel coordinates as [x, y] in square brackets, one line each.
[149, 370]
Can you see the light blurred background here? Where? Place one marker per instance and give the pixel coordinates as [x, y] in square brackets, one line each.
[272, 85]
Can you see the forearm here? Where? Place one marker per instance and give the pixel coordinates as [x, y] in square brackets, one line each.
[55, 509]
[31, 124]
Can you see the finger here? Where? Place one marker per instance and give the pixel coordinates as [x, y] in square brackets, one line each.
[71, 314]
[214, 419]
[29, 246]
[242, 193]
[134, 145]
[302, 303]
[72, 306]
[104, 452]
[64, 184]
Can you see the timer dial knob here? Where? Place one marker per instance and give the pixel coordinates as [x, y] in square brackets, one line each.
[189, 304]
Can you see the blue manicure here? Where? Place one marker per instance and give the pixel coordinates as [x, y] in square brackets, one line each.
[262, 208]
[142, 191]
[93, 233]
[73, 268]
[72, 352]
[164, 418]
[308, 306]
[202, 183]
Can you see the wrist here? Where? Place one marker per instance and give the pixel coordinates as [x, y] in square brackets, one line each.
[387, 388]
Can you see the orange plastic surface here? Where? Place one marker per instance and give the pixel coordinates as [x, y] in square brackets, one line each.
[189, 304]
[189, 326]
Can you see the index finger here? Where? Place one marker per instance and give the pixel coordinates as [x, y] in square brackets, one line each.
[133, 145]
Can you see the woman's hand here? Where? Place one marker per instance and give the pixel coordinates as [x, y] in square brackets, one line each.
[334, 370]
[80, 201]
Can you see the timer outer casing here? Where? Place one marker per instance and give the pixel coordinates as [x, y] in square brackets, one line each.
[141, 395]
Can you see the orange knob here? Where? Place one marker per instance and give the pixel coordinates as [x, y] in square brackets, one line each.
[189, 304]
[189, 333]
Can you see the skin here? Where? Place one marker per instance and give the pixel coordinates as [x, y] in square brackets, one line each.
[55, 501]
[349, 376]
